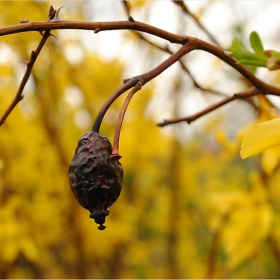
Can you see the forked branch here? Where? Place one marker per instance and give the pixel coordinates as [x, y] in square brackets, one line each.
[188, 44]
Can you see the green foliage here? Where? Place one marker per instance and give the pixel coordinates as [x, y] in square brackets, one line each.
[256, 43]
[246, 57]
[259, 58]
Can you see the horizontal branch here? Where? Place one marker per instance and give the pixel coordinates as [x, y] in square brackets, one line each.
[143, 27]
[95, 26]
[241, 95]
[189, 44]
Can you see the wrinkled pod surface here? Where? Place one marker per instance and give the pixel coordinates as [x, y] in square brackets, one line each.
[95, 178]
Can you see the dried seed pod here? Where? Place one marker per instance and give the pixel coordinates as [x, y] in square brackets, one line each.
[95, 178]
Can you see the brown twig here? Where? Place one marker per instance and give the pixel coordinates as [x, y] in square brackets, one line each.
[167, 49]
[218, 52]
[85, 25]
[131, 82]
[126, 7]
[184, 67]
[135, 25]
[98, 120]
[19, 96]
[115, 151]
[189, 44]
[186, 10]
[241, 95]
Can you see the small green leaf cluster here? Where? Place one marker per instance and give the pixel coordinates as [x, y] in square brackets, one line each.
[259, 57]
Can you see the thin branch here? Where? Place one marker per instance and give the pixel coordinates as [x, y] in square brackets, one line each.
[94, 26]
[19, 96]
[131, 82]
[126, 7]
[189, 44]
[218, 52]
[115, 151]
[184, 67]
[241, 95]
[194, 17]
[139, 26]
[167, 49]
[97, 123]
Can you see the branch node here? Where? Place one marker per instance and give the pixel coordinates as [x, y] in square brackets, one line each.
[140, 83]
[126, 80]
[24, 21]
[33, 55]
[185, 39]
[131, 19]
[230, 55]
[52, 13]
[96, 30]
[56, 18]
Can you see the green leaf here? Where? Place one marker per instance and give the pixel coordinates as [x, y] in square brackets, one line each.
[241, 53]
[245, 57]
[256, 43]
[263, 136]
[259, 63]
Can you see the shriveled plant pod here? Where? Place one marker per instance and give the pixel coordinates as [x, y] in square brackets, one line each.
[95, 176]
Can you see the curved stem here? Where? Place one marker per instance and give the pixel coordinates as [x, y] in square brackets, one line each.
[131, 82]
[115, 151]
[97, 123]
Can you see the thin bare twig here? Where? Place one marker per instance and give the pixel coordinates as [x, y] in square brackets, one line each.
[19, 96]
[167, 49]
[194, 17]
[241, 95]
[189, 44]
[115, 151]
[131, 82]
[184, 67]
[136, 25]
[94, 26]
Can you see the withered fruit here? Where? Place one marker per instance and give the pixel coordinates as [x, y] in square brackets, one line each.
[95, 178]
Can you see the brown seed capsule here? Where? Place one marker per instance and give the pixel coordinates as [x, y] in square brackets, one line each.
[95, 178]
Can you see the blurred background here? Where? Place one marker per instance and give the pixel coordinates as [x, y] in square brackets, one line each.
[190, 207]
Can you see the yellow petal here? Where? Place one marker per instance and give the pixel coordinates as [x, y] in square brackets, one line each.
[262, 136]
